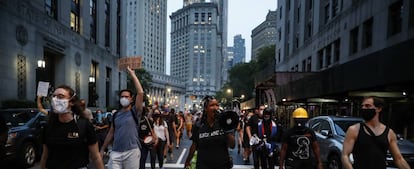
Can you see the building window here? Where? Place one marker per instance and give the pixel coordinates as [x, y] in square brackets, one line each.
[328, 55]
[309, 29]
[74, 16]
[335, 8]
[280, 12]
[337, 50]
[297, 41]
[304, 65]
[107, 22]
[310, 3]
[298, 15]
[92, 13]
[326, 13]
[92, 95]
[354, 41]
[320, 58]
[309, 64]
[196, 18]
[395, 13]
[51, 8]
[367, 35]
[278, 55]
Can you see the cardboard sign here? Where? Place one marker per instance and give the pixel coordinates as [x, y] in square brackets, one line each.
[42, 88]
[132, 62]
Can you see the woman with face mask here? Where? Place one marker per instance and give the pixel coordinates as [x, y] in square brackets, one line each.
[161, 131]
[69, 139]
[210, 139]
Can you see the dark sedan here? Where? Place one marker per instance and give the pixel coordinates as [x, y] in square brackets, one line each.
[23, 145]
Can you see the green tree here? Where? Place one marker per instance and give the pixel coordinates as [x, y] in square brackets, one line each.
[242, 76]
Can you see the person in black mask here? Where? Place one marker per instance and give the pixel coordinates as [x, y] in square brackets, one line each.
[369, 141]
[298, 144]
[267, 133]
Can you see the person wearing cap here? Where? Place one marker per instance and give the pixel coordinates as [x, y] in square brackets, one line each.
[298, 144]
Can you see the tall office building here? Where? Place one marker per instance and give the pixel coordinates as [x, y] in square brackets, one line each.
[330, 54]
[239, 50]
[76, 43]
[264, 35]
[146, 32]
[197, 49]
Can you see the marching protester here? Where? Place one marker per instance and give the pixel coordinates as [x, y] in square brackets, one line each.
[69, 139]
[161, 131]
[123, 133]
[369, 141]
[252, 130]
[298, 144]
[210, 140]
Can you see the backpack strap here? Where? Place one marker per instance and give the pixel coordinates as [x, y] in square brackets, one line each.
[81, 123]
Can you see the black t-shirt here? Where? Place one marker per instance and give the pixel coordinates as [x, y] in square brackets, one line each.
[212, 152]
[67, 147]
[299, 140]
[145, 127]
[253, 121]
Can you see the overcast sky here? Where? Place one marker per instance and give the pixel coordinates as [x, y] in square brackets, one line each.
[243, 17]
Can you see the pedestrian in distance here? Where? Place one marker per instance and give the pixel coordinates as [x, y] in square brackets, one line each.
[298, 145]
[86, 110]
[101, 127]
[170, 118]
[69, 139]
[369, 141]
[210, 140]
[179, 121]
[188, 123]
[123, 132]
[161, 131]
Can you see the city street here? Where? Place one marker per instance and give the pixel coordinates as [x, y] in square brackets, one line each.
[179, 155]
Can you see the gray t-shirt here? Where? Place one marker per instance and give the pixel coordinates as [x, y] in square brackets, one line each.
[125, 133]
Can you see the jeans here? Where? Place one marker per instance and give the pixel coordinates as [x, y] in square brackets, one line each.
[126, 159]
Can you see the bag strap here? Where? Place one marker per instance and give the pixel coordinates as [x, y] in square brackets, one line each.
[81, 123]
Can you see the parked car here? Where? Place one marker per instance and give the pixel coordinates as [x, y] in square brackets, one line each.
[23, 146]
[330, 132]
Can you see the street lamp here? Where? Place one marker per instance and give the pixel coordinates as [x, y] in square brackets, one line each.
[230, 91]
[41, 63]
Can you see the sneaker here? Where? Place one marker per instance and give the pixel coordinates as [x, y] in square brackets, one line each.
[171, 156]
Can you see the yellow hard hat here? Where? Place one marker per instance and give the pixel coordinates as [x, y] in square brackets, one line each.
[300, 113]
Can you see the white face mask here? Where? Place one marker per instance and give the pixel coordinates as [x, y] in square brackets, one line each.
[60, 106]
[124, 101]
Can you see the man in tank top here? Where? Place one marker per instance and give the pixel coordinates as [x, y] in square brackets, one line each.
[369, 141]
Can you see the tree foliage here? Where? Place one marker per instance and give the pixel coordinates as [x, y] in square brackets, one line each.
[145, 78]
[242, 76]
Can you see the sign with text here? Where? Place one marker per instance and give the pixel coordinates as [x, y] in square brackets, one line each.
[42, 88]
[132, 62]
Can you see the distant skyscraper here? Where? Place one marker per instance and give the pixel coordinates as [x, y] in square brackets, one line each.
[146, 32]
[239, 50]
[197, 49]
[264, 34]
[230, 56]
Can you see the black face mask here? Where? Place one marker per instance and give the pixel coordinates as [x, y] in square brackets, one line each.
[367, 114]
[300, 122]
